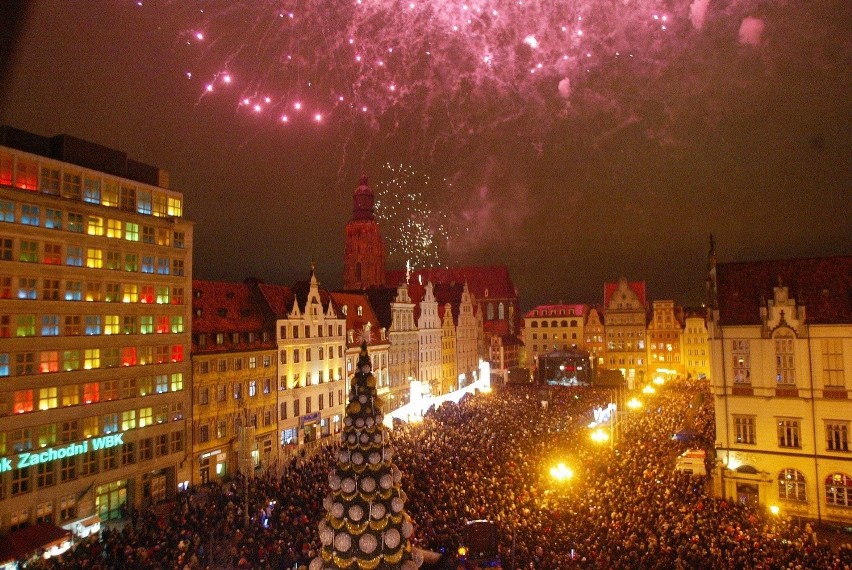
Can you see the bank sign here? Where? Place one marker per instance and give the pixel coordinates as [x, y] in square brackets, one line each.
[32, 458]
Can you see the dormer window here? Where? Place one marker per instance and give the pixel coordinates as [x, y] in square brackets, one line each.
[345, 309]
[360, 311]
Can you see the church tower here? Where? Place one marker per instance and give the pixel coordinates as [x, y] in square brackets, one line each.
[364, 251]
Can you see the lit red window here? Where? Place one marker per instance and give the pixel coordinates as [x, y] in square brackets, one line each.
[91, 392]
[128, 356]
[177, 353]
[23, 401]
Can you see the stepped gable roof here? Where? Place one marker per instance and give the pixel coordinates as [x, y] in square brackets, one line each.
[548, 310]
[381, 299]
[637, 287]
[278, 297]
[493, 278]
[352, 300]
[691, 312]
[823, 285]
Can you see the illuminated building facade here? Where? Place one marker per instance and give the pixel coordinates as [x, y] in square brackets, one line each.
[429, 338]
[467, 338]
[449, 370]
[311, 337]
[595, 334]
[665, 346]
[625, 324]
[780, 336]
[554, 327]
[362, 324]
[403, 350]
[235, 379]
[95, 273]
[696, 348]
[364, 252]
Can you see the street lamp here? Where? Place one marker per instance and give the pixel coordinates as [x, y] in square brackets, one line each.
[561, 473]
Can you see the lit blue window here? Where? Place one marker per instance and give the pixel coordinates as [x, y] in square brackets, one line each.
[30, 215]
[53, 219]
[143, 202]
[4, 364]
[93, 324]
[162, 384]
[147, 264]
[73, 291]
[7, 211]
[163, 265]
[50, 325]
[74, 256]
[92, 190]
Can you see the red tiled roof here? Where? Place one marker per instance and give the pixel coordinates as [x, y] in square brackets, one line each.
[822, 285]
[493, 279]
[278, 297]
[353, 321]
[224, 307]
[637, 287]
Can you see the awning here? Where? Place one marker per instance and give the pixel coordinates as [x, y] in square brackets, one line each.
[27, 541]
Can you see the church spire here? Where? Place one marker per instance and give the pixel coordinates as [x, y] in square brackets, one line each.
[363, 201]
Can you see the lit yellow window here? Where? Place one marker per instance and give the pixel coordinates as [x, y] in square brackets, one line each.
[70, 395]
[111, 324]
[175, 207]
[95, 226]
[131, 293]
[114, 229]
[128, 420]
[145, 417]
[94, 257]
[47, 398]
[110, 193]
[92, 358]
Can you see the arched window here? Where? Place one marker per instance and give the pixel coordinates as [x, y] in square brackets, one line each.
[501, 311]
[838, 490]
[544, 324]
[554, 324]
[791, 486]
[563, 323]
[490, 312]
[535, 324]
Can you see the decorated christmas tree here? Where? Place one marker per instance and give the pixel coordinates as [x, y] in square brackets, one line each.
[365, 526]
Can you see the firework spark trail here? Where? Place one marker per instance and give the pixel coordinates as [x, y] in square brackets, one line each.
[459, 65]
[415, 231]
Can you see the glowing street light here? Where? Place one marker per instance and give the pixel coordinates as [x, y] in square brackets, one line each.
[599, 436]
[634, 404]
[561, 472]
[774, 509]
[648, 390]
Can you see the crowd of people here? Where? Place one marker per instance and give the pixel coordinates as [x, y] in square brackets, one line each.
[488, 457]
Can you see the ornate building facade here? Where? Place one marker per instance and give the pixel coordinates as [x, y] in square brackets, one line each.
[665, 346]
[625, 322]
[780, 336]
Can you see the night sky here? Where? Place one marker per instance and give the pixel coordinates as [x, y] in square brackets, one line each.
[574, 141]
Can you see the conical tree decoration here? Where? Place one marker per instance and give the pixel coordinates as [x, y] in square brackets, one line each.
[366, 526]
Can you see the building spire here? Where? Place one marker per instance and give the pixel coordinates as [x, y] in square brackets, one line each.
[363, 201]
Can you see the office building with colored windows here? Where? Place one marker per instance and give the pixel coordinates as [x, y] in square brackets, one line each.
[95, 273]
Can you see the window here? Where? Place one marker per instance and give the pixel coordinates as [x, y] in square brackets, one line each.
[148, 235]
[49, 180]
[23, 402]
[113, 260]
[832, 363]
[146, 324]
[267, 386]
[179, 240]
[131, 262]
[113, 229]
[131, 293]
[128, 198]
[29, 251]
[252, 388]
[143, 201]
[7, 211]
[742, 361]
[50, 325]
[91, 190]
[52, 254]
[73, 291]
[146, 449]
[25, 363]
[70, 396]
[6, 249]
[177, 296]
[177, 381]
[93, 291]
[789, 433]
[163, 266]
[109, 197]
[30, 215]
[176, 323]
[837, 435]
[48, 361]
[74, 256]
[75, 222]
[25, 325]
[838, 490]
[164, 236]
[204, 433]
[70, 360]
[93, 324]
[91, 358]
[785, 366]
[128, 420]
[112, 292]
[147, 264]
[94, 258]
[47, 399]
[95, 226]
[71, 185]
[162, 293]
[238, 390]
